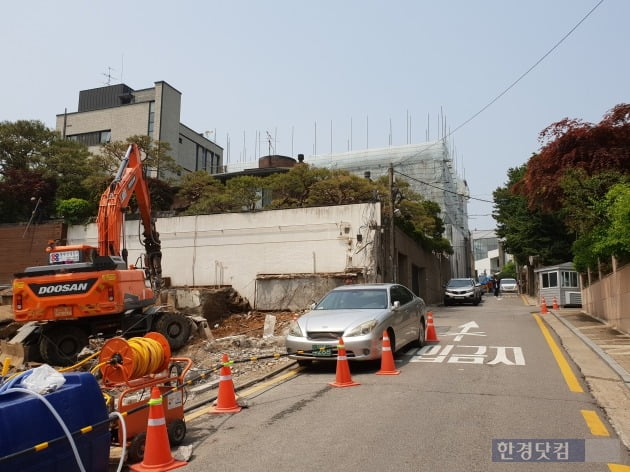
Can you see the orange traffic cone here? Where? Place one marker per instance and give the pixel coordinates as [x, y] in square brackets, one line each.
[555, 304]
[342, 377]
[157, 450]
[388, 366]
[226, 399]
[431, 335]
[543, 306]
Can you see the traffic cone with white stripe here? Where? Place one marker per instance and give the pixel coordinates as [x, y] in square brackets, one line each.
[226, 399]
[555, 304]
[431, 335]
[388, 366]
[543, 306]
[342, 375]
[157, 450]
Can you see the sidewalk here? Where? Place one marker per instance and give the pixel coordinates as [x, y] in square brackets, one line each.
[602, 355]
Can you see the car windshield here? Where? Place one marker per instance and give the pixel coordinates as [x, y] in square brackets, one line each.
[508, 281]
[354, 300]
[459, 283]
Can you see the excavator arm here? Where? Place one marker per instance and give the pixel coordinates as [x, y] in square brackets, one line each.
[129, 180]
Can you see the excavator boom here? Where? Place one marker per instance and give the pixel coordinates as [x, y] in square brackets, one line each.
[87, 290]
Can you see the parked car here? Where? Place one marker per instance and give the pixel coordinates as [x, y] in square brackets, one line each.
[359, 314]
[508, 285]
[463, 290]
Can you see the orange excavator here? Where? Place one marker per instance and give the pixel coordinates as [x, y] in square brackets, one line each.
[86, 290]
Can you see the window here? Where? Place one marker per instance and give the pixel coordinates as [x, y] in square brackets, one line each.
[105, 136]
[93, 138]
[550, 279]
[151, 118]
[401, 294]
[569, 279]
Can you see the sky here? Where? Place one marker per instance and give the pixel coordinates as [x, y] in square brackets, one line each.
[279, 75]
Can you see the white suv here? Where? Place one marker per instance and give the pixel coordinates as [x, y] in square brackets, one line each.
[463, 290]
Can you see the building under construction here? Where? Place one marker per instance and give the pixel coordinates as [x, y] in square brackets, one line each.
[429, 169]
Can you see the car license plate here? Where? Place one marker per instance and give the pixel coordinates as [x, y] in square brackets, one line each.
[459, 296]
[63, 311]
[321, 350]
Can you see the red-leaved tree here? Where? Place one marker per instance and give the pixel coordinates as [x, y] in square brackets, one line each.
[570, 144]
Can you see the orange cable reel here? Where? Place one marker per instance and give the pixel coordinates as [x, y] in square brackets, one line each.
[123, 360]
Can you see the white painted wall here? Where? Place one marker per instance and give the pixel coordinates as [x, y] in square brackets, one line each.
[232, 248]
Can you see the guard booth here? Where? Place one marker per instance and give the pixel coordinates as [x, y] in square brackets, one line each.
[561, 281]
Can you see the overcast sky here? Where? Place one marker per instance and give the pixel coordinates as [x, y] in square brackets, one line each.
[248, 68]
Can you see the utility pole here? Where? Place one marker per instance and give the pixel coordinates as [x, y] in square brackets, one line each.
[392, 242]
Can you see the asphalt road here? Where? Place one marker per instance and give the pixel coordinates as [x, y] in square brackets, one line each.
[492, 376]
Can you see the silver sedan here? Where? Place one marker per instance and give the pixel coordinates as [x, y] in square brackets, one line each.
[359, 314]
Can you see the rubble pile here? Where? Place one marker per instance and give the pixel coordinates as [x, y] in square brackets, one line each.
[242, 337]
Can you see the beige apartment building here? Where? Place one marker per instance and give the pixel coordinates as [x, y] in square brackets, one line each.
[115, 112]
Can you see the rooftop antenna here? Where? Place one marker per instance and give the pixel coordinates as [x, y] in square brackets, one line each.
[269, 143]
[109, 75]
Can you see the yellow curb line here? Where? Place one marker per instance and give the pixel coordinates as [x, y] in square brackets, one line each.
[593, 422]
[618, 468]
[202, 411]
[565, 368]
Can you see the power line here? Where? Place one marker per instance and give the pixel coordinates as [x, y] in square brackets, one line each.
[513, 84]
[522, 76]
[443, 189]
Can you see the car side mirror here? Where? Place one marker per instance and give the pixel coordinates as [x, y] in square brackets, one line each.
[312, 306]
[396, 305]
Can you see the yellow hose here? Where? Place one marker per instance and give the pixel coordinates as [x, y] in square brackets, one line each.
[79, 364]
[148, 357]
[96, 367]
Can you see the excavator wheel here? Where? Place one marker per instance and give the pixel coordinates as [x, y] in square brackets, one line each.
[175, 328]
[60, 345]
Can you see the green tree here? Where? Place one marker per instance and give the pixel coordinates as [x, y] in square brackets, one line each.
[340, 188]
[583, 196]
[508, 271]
[69, 164]
[245, 191]
[162, 195]
[201, 193]
[75, 210]
[611, 237]
[157, 155]
[23, 144]
[21, 190]
[292, 189]
[529, 232]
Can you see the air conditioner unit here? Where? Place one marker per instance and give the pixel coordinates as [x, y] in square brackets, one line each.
[573, 298]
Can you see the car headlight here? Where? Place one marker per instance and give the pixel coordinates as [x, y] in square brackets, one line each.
[364, 328]
[295, 330]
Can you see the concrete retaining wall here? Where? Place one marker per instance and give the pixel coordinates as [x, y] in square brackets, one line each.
[235, 248]
[609, 299]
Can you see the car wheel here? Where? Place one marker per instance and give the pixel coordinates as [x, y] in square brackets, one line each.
[476, 302]
[392, 341]
[420, 341]
[446, 302]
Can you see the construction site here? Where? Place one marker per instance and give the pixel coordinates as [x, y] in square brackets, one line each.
[93, 302]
